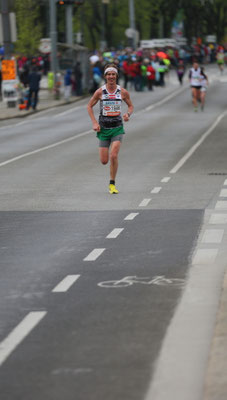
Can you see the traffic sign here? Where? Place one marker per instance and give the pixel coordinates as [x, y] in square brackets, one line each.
[8, 70]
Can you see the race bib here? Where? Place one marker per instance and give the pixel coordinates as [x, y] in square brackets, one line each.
[111, 108]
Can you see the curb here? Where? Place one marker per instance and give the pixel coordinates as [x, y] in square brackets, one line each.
[42, 108]
[215, 387]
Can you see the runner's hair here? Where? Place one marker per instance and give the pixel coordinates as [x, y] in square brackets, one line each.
[112, 65]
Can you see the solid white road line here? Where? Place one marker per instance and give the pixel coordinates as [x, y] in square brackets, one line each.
[166, 179]
[66, 283]
[156, 190]
[114, 234]
[218, 219]
[204, 256]
[221, 205]
[159, 103]
[68, 111]
[35, 116]
[94, 254]
[223, 193]
[131, 216]
[225, 183]
[144, 202]
[212, 236]
[197, 144]
[45, 148]
[8, 345]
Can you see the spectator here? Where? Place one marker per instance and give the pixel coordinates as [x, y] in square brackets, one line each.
[67, 84]
[97, 76]
[78, 79]
[34, 83]
[150, 77]
[180, 71]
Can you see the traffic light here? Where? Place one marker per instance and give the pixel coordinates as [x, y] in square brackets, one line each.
[70, 2]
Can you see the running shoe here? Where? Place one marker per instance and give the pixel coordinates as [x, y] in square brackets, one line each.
[195, 109]
[112, 189]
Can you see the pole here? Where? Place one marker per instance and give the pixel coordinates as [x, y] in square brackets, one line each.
[132, 21]
[6, 29]
[53, 36]
[69, 26]
[103, 38]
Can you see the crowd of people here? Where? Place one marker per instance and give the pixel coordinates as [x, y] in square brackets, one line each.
[139, 70]
[144, 69]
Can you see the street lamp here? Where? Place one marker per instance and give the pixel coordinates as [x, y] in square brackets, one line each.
[132, 22]
[104, 12]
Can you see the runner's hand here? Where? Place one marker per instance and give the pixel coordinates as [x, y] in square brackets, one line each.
[126, 117]
[96, 127]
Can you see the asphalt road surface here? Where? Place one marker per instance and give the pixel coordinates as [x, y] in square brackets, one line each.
[112, 296]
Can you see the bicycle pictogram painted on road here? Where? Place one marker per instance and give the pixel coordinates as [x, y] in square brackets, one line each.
[159, 280]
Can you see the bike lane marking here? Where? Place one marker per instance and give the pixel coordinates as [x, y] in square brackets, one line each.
[94, 254]
[66, 283]
[115, 233]
[18, 334]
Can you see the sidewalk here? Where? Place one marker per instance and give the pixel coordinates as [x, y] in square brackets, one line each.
[46, 100]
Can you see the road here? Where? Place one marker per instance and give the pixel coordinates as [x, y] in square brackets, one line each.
[63, 332]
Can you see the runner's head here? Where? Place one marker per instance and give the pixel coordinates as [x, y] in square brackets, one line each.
[195, 64]
[110, 71]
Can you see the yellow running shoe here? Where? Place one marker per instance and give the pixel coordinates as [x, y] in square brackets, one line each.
[112, 189]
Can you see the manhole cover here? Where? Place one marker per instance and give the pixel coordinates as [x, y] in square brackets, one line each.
[217, 173]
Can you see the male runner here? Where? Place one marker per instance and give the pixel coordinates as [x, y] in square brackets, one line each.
[110, 128]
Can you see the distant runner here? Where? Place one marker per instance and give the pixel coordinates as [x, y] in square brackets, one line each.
[110, 128]
[204, 84]
[194, 77]
[221, 60]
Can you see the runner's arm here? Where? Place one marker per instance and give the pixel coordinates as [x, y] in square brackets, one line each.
[92, 102]
[128, 101]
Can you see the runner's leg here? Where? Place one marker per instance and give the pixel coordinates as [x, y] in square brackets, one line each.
[115, 148]
[104, 154]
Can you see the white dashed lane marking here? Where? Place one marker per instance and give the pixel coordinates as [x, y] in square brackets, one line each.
[94, 254]
[66, 283]
[131, 216]
[9, 344]
[166, 179]
[144, 202]
[156, 190]
[115, 233]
